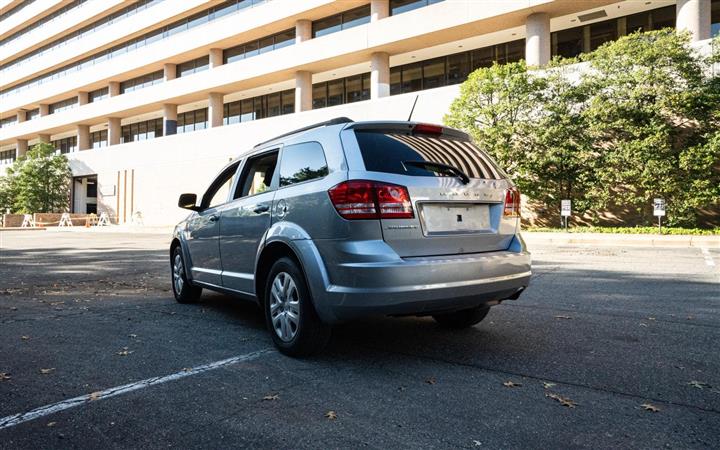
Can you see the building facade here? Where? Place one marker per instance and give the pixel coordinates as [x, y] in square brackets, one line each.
[149, 98]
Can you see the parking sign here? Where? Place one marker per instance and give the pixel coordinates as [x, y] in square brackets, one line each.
[659, 207]
[565, 208]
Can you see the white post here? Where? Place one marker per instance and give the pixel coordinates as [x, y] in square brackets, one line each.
[537, 40]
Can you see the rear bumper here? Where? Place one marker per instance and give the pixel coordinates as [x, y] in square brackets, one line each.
[408, 286]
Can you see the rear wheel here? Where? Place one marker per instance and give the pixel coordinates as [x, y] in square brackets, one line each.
[294, 325]
[183, 290]
[462, 319]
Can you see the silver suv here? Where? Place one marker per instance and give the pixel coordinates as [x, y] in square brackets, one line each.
[347, 219]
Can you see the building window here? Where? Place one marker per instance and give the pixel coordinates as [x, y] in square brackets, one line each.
[32, 114]
[97, 95]
[269, 105]
[344, 90]
[141, 131]
[401, 6]
[99, 139]
[302, 162]
[567, 43]
[715, 18]
[263, 45]
[66, 145]
[7, 157]
[8, 121]
[342, 21]
[191, 67]
[602, 32]
[142, 82]
[192, 121]
[63, 105]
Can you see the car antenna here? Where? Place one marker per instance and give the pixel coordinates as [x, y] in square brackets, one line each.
[413, 107]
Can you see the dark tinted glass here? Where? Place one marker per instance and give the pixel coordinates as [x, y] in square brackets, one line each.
[663, 17]
[715, 18]
[335, 92]
[412, 78]
[302, 162]
[327, 25]
[458, 68]
[356, 17]
[602, 32]
[568, 43]
[434, 73]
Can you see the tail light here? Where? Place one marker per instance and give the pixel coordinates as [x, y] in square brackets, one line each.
[512, 203]
[361, 199]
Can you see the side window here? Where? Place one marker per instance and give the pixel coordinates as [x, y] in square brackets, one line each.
[257, 175]
[302, 162]
[218, 191]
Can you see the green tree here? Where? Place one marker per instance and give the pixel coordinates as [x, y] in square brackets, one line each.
[40, 181]
[7, 194]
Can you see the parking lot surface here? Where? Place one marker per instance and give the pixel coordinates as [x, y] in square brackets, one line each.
[609, 347]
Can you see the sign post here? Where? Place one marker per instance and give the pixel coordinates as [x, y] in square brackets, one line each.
[565, 211]
[659, 211]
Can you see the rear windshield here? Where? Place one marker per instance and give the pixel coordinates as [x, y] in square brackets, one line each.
[393, 152]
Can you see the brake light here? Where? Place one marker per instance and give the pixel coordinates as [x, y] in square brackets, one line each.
[512, 203]
[361, 199]
[426, 128]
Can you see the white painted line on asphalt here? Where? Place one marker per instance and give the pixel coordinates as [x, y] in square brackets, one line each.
[16, 419]
[708, 257]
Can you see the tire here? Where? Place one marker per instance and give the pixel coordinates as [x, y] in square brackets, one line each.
[462, 319]
[182, 289]
[292, 321]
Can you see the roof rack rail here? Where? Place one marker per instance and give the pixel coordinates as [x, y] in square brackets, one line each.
[335, 121]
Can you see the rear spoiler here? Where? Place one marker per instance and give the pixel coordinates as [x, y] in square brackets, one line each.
[412, 127]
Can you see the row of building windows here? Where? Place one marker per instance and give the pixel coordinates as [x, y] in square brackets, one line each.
[269, 105]
[7, 157]
[98, 94]
[142, 82]
[342, 21]
[42, 22]
[63, 105]
[82, 32]
[191, 67]
[262, 45]
[66, 145]
[193, 21]
[345, 90]
[99, 139]
[192, 120]
[17, 8]
[141, 131]
[8, 121]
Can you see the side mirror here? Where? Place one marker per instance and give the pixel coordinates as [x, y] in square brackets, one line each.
[188, 201]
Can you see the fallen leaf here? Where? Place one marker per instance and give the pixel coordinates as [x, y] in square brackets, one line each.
[124, 352]
[271, 397]
[46, 371]
[51, 424]
[562, 400]
[510, 384]
[651, 318]
[643, 324]
[4, 376]
[699, 384]
[563, 317]
[547, 385]
[133, 336]
[431, 380]
[477, 443]
[331, 415]
[650, 407]
[24, 338]
[94, 396]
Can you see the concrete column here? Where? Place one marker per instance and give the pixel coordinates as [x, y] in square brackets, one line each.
[537, 40]
[622, 26]
[21, 116]
[586, 39]
[22, 148]
[303, 30]
[169, 119]
[303, 91]
[379, 75]
[113, 88]
[44, 109]
[83, 137]
[379, 9]
[215, 109]
[216, 57]
[82, 98]
[44, 138]
[114, 130]
[694, 16]
[170, 71]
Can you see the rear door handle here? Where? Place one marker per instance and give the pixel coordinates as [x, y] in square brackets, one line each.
[261, 209]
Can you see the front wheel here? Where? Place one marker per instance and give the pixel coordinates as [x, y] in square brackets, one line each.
[182, 289]
[462, 319]
[294, 325]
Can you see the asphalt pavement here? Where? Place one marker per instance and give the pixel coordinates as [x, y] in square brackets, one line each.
[610, 347]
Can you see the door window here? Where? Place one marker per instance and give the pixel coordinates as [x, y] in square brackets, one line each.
[257, 175]
[217, 193]
[302, 162]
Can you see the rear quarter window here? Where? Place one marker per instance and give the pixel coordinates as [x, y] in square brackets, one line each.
[302, 162]
[386, 151]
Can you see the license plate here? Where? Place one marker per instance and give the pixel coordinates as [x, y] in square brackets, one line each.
[456, 218]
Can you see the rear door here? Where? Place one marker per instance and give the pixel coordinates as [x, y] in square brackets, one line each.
[453, 214]
[246, 219]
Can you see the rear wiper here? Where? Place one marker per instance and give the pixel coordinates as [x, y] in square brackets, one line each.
[427, 165]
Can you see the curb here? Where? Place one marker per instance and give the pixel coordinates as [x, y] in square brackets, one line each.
[609, 239]
[22, 229]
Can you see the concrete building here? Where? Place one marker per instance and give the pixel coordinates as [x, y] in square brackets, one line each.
[150, 98]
